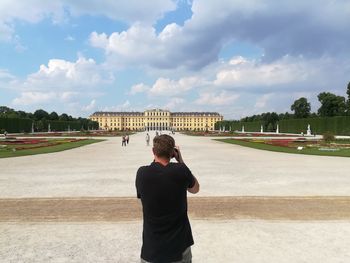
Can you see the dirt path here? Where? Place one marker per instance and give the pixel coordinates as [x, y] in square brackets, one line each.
[129, 209]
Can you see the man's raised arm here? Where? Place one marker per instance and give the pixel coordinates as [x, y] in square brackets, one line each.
[178, 156]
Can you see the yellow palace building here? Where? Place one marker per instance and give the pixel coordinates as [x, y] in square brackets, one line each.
[157, 119]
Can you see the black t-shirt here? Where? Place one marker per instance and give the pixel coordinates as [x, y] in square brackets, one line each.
[166, 228]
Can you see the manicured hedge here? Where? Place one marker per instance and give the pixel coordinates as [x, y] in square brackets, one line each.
[339, 125]
[237, 126]
[71, 125]
[15, 125]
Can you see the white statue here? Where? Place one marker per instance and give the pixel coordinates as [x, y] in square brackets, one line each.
[308, 132]
[261, 129]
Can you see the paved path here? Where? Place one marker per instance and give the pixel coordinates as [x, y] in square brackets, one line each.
[88, 195]
[129, 209]
[241, 241]
[107, 169]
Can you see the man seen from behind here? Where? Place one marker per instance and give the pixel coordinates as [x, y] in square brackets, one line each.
[162, 187]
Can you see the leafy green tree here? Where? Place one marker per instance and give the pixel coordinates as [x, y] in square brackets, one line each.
[22, 114]
[331, 105]
[41, 114]
[4, 111]
[270, 120]
[285, 116]
[64, 117]
[12, 115]
[301, 108]
[53, 116]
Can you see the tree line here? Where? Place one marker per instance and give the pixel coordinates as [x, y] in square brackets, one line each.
[331, 105]
[42, 118]
[38, 115]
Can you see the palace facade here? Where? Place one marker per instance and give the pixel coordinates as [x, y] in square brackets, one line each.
[157, 119]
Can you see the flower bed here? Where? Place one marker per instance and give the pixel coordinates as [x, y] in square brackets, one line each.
[235, 134]
[26, 144]
[291, 143]
[22, 141]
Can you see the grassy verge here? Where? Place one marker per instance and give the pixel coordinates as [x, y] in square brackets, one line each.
[273, 148]
[5, 153]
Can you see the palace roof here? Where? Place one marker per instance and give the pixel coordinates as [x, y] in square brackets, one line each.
[135, 113]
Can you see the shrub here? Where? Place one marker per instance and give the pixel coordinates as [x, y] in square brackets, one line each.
[328, 137]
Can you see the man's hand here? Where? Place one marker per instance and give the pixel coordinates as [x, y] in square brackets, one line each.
[177, 155]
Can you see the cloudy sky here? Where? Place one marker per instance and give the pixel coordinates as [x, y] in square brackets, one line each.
[236, 57]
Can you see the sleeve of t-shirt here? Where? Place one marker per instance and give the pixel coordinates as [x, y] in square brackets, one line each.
[189, 177]
[137, 183]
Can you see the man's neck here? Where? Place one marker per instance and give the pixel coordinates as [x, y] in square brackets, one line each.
[162, 161]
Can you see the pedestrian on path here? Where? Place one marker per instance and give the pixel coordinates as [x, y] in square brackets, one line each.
[162, 187]
[123, 141]
[127, 139]
[147, 139]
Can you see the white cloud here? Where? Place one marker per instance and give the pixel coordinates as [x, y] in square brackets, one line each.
[279, 28]
[90, 107]
[69, 95]
[61, 84]
[221, 99]
[168, 87]
[31, 98]
[69, 38]
[46, 97]
[287, 73]
[174, 103]
[30, 11]
[6, 32]
[253, 73]
[125, 106]
[65, 75]
[138, 88]
[261, 102]
[5, 75]
[34, 11]
[139, 44]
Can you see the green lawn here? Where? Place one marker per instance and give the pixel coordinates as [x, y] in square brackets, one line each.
[273, 148]
[7, 152]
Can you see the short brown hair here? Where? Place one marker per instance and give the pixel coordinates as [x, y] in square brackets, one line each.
[163, 146]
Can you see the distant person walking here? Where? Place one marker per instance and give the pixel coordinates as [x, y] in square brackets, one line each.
[123, 141]
[162, 187]
[127, 139]
[147, 139]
